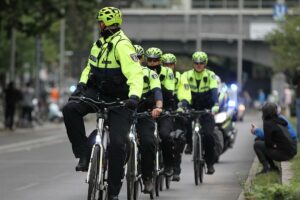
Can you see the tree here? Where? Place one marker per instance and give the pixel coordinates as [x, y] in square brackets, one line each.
[285, 43]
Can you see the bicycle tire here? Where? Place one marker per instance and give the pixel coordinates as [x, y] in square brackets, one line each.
[94, 174]
[196, 160]
[157, 185]
[161, 182]
[168, 182]
[130, 175]
[137, 186]
[201, 161]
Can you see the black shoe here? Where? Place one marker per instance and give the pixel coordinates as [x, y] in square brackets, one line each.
[83, 164]
[148, 186]
[168, 171]
[188, 149]
[263, 171]
[113, 197]
[176, 177]
[210, 169]
[274, 168]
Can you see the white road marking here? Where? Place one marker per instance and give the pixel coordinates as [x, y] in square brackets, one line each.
[25, 187]
[31, 144]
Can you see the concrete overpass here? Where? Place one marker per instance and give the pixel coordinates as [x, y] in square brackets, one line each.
[213, 30]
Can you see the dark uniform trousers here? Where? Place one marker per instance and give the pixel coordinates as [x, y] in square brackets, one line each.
[119, 122]
[9, 116]
[145, 129]
[179, 143]
[208, 124]
[165, 127]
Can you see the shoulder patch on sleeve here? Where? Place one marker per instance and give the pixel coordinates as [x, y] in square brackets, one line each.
[134, 57]
[171, 76]
[93, 58]
[186, 86]
[154, 76]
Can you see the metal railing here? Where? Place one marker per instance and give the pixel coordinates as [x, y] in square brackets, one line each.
[223, 4]
[235, 3]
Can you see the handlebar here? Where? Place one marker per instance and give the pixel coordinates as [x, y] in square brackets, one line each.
[98, 104]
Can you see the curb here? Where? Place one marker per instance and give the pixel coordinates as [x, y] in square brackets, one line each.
[253, 170]
[286, 172]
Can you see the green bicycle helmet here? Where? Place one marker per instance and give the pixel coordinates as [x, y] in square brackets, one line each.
[139, 50]
[110, 16]
[200, 57]
[168, 58]
[153, 52]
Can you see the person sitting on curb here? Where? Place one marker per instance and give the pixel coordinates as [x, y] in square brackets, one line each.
[276, 141]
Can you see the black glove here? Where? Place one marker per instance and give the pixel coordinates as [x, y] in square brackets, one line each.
[79, 89]
[132, 103]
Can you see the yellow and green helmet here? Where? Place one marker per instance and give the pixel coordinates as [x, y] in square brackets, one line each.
[168, 58]
[200, 57]
[139, 50]
[153, 52]
[110, 16]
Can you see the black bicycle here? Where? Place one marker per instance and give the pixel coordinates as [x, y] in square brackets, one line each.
[198, 150]
[133, 167]
[97, 173]
[166, 180]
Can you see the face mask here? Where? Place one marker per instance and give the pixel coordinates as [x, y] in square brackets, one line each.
[108, 32]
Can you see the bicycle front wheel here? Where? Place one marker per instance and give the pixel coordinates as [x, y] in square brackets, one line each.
[196, 160]
[201, 161]
[130, 175]
[93, 189]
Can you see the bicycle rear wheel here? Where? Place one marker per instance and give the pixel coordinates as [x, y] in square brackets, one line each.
[93, 189]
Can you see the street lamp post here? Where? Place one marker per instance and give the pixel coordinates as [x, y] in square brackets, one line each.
[240, 46]
[62, 53]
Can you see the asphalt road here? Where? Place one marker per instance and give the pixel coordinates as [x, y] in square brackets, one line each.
[40, 165]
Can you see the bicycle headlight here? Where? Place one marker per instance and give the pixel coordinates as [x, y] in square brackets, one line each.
[197, 128]
[220, 117]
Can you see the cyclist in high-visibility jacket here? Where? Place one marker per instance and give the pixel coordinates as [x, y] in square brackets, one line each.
[165, 124]
[151, 101]
[140, 53]
[112, 72]
[169, 60]
[204, 88]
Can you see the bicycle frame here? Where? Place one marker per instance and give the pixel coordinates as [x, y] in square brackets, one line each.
[132, 138]
[101, 141]
[197, 134]
[157, 168]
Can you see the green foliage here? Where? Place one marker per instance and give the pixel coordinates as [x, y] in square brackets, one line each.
[266, 179]
[30, 17]
[296, 169]
[272, 192]
[4, 52]
[285, 43]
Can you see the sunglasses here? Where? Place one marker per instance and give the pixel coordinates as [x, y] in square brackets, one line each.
[199, 63]
[152, 59]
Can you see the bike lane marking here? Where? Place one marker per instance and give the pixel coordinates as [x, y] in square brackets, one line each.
[32, 144]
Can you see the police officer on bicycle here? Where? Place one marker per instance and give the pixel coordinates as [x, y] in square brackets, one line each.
[179, 123]
[165, 124]
[151, 100]
[112, 72]
[204, 89]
